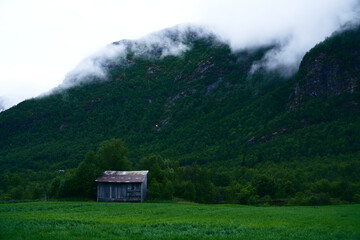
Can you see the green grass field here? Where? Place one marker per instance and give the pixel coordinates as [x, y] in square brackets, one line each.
[92, 220]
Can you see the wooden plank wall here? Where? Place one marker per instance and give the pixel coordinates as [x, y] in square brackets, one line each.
[121, 192]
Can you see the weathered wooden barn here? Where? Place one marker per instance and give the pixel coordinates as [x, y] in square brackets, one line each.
[122, 186]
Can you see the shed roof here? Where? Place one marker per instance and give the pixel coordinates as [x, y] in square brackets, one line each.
[122, 176]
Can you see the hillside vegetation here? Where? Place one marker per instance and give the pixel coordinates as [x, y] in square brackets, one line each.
[202, 120]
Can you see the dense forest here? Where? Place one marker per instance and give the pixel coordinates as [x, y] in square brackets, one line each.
[206, 127]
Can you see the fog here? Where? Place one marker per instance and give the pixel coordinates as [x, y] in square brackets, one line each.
[157, 45]
[295, 26]
[45, 44]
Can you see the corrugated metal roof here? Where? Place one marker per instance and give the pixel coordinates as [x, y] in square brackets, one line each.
[122, 176]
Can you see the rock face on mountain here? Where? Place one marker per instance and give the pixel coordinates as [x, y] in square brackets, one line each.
[324, 76]
[330, 69]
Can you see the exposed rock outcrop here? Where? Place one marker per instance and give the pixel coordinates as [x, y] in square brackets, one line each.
[330, 69]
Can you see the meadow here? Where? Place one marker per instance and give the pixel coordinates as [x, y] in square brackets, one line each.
[92, 220]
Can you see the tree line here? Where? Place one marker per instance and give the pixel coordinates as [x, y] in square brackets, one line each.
[168, 180]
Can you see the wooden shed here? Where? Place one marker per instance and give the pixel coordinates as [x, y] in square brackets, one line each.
[122, 186]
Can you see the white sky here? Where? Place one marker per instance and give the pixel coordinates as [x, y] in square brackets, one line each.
[42, 40]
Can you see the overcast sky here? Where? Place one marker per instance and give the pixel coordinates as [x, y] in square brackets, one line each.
[42, 40]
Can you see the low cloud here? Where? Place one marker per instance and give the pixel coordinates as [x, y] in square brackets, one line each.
[92, 67]
[2, 104]
[171, 41]
[293, 26]
[39, 45]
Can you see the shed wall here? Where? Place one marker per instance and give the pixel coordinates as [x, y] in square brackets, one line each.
[121, 192]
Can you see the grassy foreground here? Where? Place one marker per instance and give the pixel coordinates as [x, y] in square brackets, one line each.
[92, 220]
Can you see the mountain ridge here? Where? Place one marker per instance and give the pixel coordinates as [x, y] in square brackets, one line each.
[201, 107]
[198, 71]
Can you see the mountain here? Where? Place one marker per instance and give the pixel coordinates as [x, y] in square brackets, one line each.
[191, 99]
[145, 97]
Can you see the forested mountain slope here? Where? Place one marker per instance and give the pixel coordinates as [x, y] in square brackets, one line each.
[174, 105]
[201, 106]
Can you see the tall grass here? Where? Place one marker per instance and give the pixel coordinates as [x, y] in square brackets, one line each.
[91, 220]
